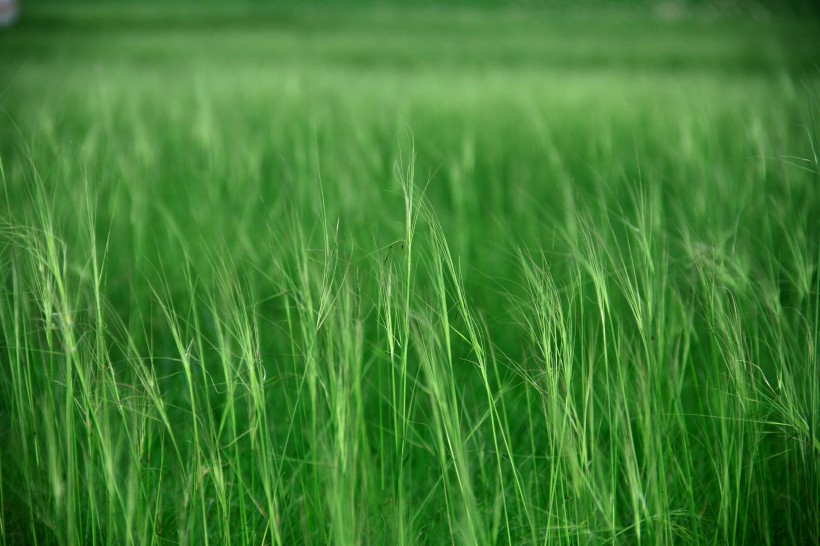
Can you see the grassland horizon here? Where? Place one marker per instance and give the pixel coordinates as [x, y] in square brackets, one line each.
[394, 275]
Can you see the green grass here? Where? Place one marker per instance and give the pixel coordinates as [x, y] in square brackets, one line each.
[401, 276]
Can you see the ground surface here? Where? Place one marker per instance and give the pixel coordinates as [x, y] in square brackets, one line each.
[409, 276]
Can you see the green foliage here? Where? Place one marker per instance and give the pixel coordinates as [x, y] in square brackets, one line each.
[416, 277]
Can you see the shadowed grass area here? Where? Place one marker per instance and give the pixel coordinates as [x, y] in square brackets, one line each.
[399, 276]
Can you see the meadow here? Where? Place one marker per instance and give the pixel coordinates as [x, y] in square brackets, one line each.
[405, 276]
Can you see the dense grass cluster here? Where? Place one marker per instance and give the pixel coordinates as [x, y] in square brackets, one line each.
[409, 278]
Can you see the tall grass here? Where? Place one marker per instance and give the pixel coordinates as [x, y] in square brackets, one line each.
[243, 306]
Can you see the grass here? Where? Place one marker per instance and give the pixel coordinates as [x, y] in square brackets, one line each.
[409, 277]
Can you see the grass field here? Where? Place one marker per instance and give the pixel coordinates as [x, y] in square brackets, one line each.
[409, 276]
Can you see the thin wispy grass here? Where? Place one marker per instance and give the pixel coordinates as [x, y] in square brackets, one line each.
[237, 308]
